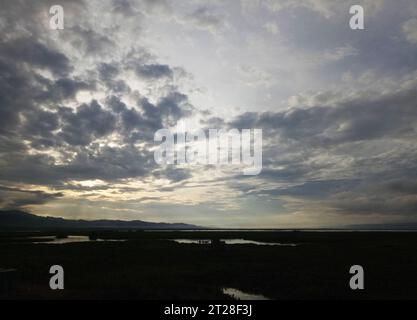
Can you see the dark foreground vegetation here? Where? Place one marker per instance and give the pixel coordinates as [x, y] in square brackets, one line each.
[148, 266]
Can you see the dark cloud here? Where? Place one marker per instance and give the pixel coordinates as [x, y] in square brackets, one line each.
[94, 162]
[389, 115]
[123, 7]
[108, 74]
[141, 123]
[312, 189]
[38, 106]
[86, 124]
[404, 187]
[373, 203]
[172, 107]
[109, 164]
[346, 153]
[12, 80]
[108, 71]
[15, 198]
[62, 89]
[134, 124]
[40, 127]
[116, 104]
[173, 174]
[154, 71]
[35, 54]
[349, 156]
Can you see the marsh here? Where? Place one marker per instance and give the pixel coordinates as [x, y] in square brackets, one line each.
[147, 265]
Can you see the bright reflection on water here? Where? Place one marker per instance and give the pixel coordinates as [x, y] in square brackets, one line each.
[240, 295]
[243, 241]
[233, 242]
[192, 241]
[69, 239]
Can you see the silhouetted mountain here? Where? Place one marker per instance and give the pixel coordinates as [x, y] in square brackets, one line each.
[15, 219]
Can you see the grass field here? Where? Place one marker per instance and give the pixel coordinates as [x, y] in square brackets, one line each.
[148, 266]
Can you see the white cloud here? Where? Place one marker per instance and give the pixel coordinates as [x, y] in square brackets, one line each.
[253, 76]
[326, 8]
[271, 27]
[410, 30]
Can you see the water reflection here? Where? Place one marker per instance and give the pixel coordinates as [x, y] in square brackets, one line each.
[259, 243]
[232, 242]
[240, 295]
[3, 270]
[192, 241]
[69, 239]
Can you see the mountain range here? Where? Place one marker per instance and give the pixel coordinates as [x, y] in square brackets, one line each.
[15, 219]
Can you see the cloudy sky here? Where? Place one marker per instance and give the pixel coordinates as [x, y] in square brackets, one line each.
[338, 108]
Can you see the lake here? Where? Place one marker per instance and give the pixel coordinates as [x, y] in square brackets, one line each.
[69, 239]
[232, 242]
[240, 295]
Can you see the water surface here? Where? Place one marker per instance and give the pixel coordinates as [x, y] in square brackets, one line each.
[3, 270]
[240, 295]
[192, 241]
[259, 243]
[69, 239]
[232, 242]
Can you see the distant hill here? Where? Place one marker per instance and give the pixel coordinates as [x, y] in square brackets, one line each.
[15, 219]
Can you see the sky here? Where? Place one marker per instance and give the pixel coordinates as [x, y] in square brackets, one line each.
[79, 108]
